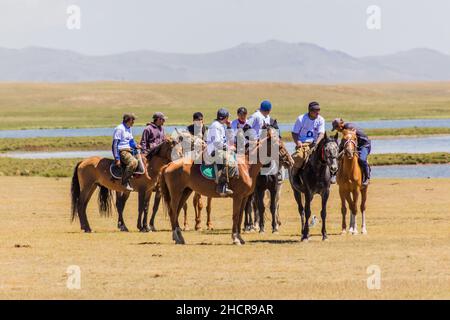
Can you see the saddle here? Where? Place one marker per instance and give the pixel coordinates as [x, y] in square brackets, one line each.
[116, 172]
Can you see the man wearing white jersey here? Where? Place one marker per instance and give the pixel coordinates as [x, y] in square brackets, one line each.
[260, 118]
[220, 149]
[308, 131]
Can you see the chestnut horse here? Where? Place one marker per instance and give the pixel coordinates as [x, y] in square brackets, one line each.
[94, 172]
[181, 177]
[349, 179]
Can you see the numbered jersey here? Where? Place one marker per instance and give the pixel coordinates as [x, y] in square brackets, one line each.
[308, 130]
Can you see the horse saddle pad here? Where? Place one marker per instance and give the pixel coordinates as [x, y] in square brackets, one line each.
[208, 171]
[116, 172]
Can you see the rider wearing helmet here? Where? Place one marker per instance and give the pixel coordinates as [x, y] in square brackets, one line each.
[308, 131]
[364, 145]
[260, 118]
[219, 147]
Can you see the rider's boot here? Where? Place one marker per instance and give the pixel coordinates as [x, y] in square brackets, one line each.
[222, 187]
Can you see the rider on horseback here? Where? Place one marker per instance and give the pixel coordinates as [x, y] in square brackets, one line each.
[220, 148]
[123, 147]
[259, 119]
[308, 131]
[364, 145]
[153, 134]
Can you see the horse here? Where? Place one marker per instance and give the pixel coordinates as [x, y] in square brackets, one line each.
[264, 184]
[198, 207]
[349, 180]
[94, 172]
[181, 177]
[315, 178]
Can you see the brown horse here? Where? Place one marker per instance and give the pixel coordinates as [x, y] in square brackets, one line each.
[94, 172]
[181, 177]
[349, 179]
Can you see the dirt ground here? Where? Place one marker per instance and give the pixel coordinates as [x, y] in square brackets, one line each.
[408, 240]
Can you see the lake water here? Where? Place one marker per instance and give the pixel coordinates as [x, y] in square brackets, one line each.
[380, 124]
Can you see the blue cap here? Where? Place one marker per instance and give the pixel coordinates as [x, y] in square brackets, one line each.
[222, 114]
[265, 106]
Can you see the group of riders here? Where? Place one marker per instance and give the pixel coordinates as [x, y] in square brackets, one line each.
[220, 139]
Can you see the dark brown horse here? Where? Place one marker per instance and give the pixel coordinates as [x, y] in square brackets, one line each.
[181, 177]
[94, 172]
[349, 179]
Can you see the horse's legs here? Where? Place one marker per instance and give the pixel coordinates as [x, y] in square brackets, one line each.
[259, 197]
[343, 210]
[121, 199]
[248, 221]
[178, 206]
[144, 198]
[147, 196]
[237, 217]
[254, 205]
[277, 197]
[301, 210]
[185, 222]
[354, 209]
[198, 207]
[209, 224]
[156, 203]
[273, 210]
[308, 199]
[363, 210]
[85, 196]
[323, 214]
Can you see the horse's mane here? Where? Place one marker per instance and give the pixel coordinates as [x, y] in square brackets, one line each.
[157, 149]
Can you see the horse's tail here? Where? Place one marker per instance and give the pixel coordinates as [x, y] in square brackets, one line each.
[104, 201]
[164, 190]
[75, 192]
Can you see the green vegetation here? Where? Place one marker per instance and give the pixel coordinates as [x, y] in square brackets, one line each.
[37, 167]
[101, 104]
[409, 159]
[64, 167]
[55, 144]
[406, 132]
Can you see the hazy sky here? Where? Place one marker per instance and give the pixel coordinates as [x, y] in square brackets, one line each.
[111, 26]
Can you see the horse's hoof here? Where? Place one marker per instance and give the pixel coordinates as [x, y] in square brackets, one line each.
[186, 228]
[364, 231]
[343, 231]
[275, 232]
[305, 240]
[325, 238]
[210, 228]
[87, 230]
[123, 229]
[153, 229]
[237, 242]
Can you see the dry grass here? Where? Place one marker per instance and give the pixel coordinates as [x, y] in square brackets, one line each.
[37, 105]
[408, 224]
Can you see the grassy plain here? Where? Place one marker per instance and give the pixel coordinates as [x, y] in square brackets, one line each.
[100, 104]
[408, 223]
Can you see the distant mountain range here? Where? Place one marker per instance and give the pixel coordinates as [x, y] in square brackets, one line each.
[273, 61]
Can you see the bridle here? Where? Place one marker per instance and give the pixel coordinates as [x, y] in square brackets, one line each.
[345, 149]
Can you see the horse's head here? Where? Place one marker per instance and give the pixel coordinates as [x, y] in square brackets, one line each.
[329, 152]
[350, 142]
[274, 139]
[169, 150]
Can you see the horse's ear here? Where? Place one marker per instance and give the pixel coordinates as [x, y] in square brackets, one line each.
[275, 124]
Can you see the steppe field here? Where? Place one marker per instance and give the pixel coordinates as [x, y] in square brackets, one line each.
[100, 104]
[408, 239]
